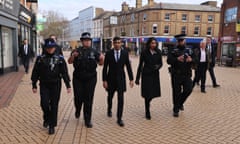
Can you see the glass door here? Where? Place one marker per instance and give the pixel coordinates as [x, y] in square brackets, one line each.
[1, 54]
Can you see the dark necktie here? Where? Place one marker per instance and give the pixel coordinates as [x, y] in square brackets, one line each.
[117, 56]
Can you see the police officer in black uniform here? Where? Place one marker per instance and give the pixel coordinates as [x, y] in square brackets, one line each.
[49, 68]
[181, 59]
[85, 60]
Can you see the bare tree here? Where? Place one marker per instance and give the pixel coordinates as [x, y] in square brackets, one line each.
[54, 25]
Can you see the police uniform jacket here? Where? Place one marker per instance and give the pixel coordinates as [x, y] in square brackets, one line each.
[49, 69]
[177, 67]
[113, 72]
[86, 63]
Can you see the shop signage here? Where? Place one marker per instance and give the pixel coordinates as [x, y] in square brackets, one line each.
[10, 6]
[25, 15]
[237, 27]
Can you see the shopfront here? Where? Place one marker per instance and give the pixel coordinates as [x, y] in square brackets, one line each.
[8, 36]
[26, 27]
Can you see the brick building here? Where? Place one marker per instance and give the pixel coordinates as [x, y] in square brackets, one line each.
[229, 33]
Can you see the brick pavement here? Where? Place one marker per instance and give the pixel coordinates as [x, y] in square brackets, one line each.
[208, 118]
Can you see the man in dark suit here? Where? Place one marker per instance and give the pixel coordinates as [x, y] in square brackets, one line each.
[212, 52]
[114, 76]
[25, 53]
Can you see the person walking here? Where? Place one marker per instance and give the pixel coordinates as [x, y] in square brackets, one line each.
[49, 68]
[25, 53]
[114, 78]
[180, 60]
[203, 61]
[85, 60]
[148, 68]
[212, 52]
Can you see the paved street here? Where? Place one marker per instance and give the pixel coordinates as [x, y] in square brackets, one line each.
[211, 118]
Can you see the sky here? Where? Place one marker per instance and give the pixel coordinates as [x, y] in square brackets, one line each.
[70, 8]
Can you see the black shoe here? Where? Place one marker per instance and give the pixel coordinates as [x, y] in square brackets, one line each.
[216, 85]
[181, 108]
[109, 114]
[88, 125]
[77, 114]
[175, 114]
[45, 124]
[51, 130]
[148, 116]
[120, 123]
[203, 91]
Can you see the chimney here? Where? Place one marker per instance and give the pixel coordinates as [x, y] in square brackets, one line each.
[138, 3]
[124, 6]
[150, 2]
[210, 3]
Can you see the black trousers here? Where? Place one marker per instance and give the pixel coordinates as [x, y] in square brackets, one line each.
[120, 102]
[83, 94]
[211, 72]
[26, 61]
[202, 69]
[181, 88]
[49, 102]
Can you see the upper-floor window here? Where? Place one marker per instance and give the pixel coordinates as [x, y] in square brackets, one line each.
[209, 31]
[184, 17]
[154, 28]
[167, 16]
[132, 17]
[210, 18]
[166, 29]
[123, 18]
[197, 18]
[230, 15]
[196, 31]
[144, 17]
[184, 30]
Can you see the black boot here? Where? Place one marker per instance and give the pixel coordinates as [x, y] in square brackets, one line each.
[147, 109]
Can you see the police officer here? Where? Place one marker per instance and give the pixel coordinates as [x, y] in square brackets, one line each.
[49, 68]
[180, 58]
[85, 60]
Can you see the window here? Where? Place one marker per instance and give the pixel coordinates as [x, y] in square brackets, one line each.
[183, 30]
[154, 29]
[144, 31]
[132, 17]
[166, 29]
[230, 15]
[210, 18]
[209, 31]
[167, 16]
[144, 17]
[197, 18]
[184, 17]
[196, 30]
[123, 18]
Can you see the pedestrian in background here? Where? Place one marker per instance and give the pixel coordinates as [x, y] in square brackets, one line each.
[114, 78]
[85, 60]
[25, 53]
[180, 60]
[148, 69]
[211, 49]
[49, 68]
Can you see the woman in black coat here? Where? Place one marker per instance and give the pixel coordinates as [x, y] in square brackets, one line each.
[148, 68]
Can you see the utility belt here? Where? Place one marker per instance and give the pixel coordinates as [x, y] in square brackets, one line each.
[178, 72]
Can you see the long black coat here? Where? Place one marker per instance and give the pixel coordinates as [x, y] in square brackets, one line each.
[148, 69]
[113, 72]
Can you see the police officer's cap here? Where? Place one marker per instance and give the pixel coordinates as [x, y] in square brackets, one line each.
[86, 35]
[50, 43]
[180, 37]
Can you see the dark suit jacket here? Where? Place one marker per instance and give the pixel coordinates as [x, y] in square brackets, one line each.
[113, 72]
[213, 55]
[21, 52]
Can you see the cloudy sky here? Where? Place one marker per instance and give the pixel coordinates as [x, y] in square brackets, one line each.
[70, 8]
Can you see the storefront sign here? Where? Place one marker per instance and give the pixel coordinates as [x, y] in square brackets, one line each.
[237, 27]
[10, 6]
[227, 38]
[25, 15]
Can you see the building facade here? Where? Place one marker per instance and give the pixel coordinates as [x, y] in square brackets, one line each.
[164, 20]
[16, 23]
[229, 35]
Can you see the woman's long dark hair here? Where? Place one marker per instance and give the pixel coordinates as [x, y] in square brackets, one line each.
[148, 44]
